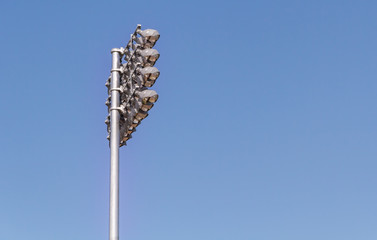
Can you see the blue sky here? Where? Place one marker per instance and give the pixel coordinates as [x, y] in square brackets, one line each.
[265, 127]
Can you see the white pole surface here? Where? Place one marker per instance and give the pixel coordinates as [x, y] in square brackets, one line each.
[114, 146]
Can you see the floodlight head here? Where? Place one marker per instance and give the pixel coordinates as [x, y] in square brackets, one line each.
[150, 37]
[150, 74]
[149, 56]
[141, 115]
[135, 123]
[148, 96]
[125, 139]
[130, 131]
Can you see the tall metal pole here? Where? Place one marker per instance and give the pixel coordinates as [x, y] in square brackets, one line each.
[114, 145]
[140, 58]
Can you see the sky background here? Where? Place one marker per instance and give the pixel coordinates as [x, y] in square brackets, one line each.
[265, 128]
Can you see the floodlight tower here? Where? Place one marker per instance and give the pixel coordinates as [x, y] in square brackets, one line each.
[128, 102]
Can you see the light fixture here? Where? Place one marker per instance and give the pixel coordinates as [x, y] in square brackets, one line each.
[149, 37]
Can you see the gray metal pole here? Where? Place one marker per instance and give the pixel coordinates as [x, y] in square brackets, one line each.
[114, 145]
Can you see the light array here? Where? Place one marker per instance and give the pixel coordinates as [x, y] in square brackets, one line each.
[137, 74]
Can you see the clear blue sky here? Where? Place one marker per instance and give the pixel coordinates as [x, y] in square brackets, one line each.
[265, 128]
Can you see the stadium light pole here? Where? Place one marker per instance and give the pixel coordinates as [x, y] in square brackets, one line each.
[128, 103]
[114, 145]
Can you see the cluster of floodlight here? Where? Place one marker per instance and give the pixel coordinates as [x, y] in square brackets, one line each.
[137, 75]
